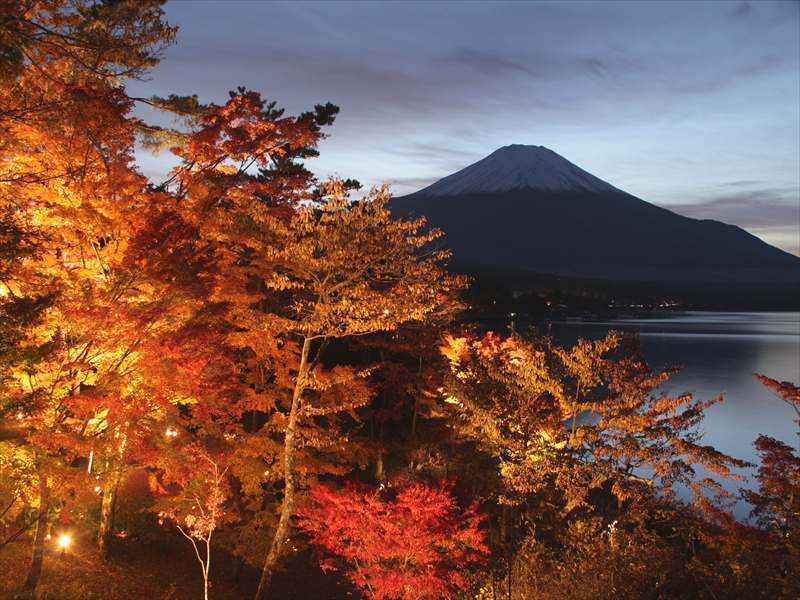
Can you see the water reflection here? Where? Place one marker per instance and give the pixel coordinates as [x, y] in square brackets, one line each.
[719, 353]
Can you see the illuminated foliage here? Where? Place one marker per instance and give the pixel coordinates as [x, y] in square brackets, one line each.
[576, 420]
[294, 267]
[199, 507]
[776, 503]
[787, 392]
[83, 314]
[415, 544]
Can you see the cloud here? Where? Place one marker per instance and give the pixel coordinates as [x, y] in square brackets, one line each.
[654, 97]
[444, 155]
[772, 214]
[750, 209]
[487, 63]
[742, 10]
[408, 185]
[785, 237]
[742, 183]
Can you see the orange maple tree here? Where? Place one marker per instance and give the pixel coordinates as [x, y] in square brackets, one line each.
[68, 175]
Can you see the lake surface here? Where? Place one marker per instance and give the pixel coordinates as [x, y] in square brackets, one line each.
[719, 353]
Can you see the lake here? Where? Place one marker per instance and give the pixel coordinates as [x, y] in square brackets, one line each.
[719, 353]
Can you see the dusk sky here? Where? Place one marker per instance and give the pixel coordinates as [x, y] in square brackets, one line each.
[693, 106]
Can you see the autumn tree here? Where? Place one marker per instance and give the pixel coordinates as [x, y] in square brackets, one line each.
[582, 430]
[67, 173]
[351, 271]
[787, 392]
[412, 543]
[21, 309]
[401, 419]
[584, 415]
[299, 265]
[776, 502]
[198, 508]
[595, 559]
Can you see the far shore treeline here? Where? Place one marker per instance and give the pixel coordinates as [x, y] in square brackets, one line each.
[264, 385]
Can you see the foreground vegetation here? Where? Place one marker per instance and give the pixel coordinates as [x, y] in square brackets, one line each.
[242, 366]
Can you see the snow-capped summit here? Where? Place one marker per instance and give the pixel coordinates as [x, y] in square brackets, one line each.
[519, 167]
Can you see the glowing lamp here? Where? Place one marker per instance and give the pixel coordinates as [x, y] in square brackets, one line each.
[171, 432]
[64, 540]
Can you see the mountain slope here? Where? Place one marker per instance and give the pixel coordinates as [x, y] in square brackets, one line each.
[527, 208]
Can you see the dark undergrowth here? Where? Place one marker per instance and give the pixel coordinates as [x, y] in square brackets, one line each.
[164, 570]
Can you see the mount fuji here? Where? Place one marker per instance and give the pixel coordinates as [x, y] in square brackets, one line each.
[518, 167]
[528, 209]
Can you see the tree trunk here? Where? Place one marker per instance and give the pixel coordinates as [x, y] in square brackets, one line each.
[207, 567]
[287, 506]
[235, 576]
[37, 558]
[379, 474]
[415, 410]
[106, 529]
[507, 537]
